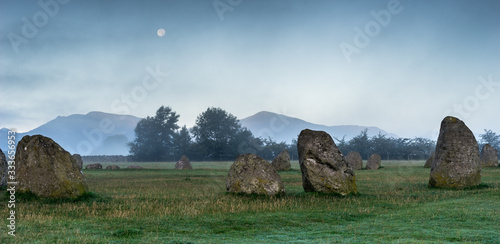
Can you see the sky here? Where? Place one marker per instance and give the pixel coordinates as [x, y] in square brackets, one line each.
[399, 65]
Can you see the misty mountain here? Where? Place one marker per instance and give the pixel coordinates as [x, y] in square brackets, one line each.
[98, 133]
[284, 128]
[95, 133]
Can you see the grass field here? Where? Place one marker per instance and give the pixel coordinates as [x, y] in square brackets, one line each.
[162, 205]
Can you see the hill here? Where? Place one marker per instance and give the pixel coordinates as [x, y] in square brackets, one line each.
[284, 128]
[95, 133]
[98, 133]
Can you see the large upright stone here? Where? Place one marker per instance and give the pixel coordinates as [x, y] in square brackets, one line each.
[374, 162]
[183, 163]
[282, 161]
[456, 163]
[252, 174]
[354, 160]
[3, 169]
[489, 156]
[78, 160]
[428, 162]
[47, 170]
[324, 168]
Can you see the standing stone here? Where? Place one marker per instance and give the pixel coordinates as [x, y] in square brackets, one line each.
[354, 160]
[489, 156]
[282, 161]
[428, 163]
[252, 174]
[456, 163]
[374, 162]
[79, 161]
[47, 170]
[94, 166]
[324, 168]
[113, 167]
[3, 169]
[183, 163]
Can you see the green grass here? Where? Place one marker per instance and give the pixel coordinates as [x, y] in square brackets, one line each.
[163, 205]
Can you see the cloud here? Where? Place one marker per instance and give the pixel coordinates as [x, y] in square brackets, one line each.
[280, 56]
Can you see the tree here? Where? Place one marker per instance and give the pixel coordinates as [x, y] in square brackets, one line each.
[388, 147]
[361, 143]
[219, 134]
[292, 149]
[271, 149]
[490, 137]
[342, 144]
[421, 148]
[182, 142]
[154, 136]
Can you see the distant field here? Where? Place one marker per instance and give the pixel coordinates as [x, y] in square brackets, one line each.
[163, 205]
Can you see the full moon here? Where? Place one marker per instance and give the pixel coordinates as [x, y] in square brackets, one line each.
[160, 32]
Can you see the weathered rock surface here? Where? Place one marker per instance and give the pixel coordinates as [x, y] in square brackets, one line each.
[282, 161]
[324, 168]
[78, 160]
[113, 167]
[456, 163]
[374, 162]
[489, 156]
[252, 174]
[354, 160]
[134, 167]
[183, 163]
[47, 170]
[428, 162]
[3, 169]
[94, 166]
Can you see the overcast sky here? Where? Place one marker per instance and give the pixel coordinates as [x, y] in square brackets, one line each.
[399, 65]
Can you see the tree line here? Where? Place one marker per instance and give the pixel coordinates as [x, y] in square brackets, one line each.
[388, 148]
[218, 136]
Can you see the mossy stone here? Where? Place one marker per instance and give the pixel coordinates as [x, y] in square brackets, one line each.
[354, 160]
[456, 163]
[251, 174]
[324, 168]
[489, 156]
[282, 161]
[47, 170]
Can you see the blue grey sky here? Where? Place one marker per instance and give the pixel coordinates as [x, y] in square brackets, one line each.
[399, 65]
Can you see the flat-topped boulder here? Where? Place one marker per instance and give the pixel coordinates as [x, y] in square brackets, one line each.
[94, 166]
[251, 174]
[47, 170]
[282, 161]
[113, 167]
[134, 167]
[456, 163]
[324, 168]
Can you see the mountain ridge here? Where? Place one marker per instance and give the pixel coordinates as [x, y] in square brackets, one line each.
[87, 134]
[100, 133]
[285, 128]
